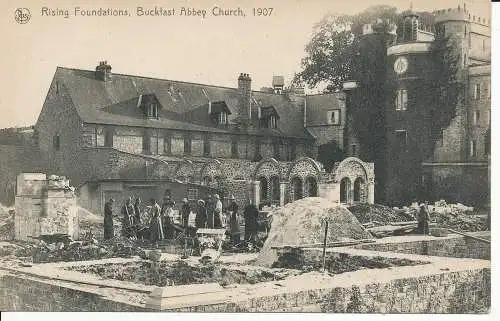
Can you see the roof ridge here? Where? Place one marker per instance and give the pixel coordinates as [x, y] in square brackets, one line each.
[164, 79]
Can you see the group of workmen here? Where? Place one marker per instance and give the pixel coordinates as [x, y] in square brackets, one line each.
[161, 222]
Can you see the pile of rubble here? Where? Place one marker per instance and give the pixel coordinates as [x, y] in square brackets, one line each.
[64, 250]
[382, 221]
[376, 213]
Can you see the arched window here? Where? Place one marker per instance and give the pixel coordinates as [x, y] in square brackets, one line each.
[345, 190]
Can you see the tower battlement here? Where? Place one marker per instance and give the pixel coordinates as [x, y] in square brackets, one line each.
[459, 13]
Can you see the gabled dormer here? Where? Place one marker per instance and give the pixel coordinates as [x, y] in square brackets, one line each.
[219, 112]
[149, 105]
[268, 117]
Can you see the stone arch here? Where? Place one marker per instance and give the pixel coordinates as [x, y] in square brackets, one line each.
[345, 190]
[360, 177]
[185, 169]
[303, 167]
[267, 168]
[351, 167]
[211, 169]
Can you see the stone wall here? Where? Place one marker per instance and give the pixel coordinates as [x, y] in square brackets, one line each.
[22, 293]
[452, 246]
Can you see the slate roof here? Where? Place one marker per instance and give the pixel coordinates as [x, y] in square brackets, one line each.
[115, 103]
[318, 105]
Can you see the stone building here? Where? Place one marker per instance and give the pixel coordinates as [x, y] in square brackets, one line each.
[414, 164]
[116, 134]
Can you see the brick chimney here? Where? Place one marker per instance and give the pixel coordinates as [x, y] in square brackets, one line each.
[245, 91]
[103, 71]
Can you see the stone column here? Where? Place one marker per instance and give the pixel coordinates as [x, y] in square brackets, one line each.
[282, 193]
[256, 193]
[370, 198]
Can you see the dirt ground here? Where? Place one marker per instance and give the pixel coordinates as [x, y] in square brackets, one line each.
[180, 273]
[342, 263]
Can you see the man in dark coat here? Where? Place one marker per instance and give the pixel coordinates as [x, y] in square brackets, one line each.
[423, 219]
[108, 220]
[201, 215]
[185, 210]
[128, 218]
[210, 212]
[234, 223]
[137, 211]
[251, 214]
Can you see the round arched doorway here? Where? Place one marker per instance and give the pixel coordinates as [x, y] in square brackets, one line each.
[311, 187]
[345, 190]
[297, 188]
[359, 186]
[263, 189]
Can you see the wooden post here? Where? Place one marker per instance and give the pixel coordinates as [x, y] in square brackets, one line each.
[324, 245]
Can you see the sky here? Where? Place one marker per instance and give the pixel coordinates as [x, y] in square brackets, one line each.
[214, 50]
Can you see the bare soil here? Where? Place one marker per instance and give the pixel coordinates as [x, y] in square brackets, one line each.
[180, 273]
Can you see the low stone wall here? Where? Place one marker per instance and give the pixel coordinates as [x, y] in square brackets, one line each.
[23, 293]
[451, 246]
[457, 292]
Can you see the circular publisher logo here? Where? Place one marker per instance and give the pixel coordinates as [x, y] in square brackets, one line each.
[22, 15]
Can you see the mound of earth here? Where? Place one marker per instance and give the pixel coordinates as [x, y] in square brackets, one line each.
[302, 223]
[367, 213]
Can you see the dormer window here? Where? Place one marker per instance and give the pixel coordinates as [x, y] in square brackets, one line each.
[272, 122]
[219, 112]
[153, 111]
[268, 117]
[149, 105]
[222, 118]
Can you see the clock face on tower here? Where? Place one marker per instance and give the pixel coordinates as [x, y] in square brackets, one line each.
[400, 65]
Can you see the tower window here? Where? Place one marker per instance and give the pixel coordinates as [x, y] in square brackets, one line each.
[476, 117]
[353, 149]
[401, 99]
[477, 91]
[487, 143]
[401, 140]
[333, 117]
[472, 151]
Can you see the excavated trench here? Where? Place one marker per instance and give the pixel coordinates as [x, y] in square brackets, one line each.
[168, 273]
[341, 262]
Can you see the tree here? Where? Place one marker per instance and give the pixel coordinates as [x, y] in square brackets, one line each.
[332, 51]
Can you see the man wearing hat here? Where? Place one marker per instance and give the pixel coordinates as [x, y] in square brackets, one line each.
[217, 212]
[234, 224]
[423, 219]
[185, 210]
[201, 215]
